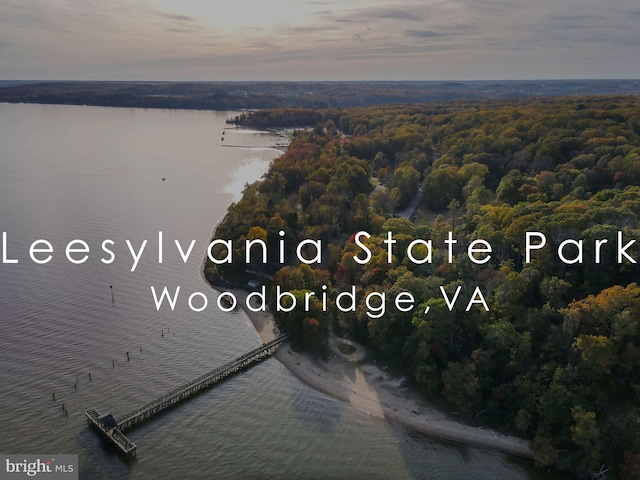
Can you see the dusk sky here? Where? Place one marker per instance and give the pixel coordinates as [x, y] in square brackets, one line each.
[318, 39]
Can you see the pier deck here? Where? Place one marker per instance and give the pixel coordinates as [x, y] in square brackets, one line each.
[114, 430]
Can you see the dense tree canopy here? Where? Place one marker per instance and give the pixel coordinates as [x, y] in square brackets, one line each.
[556, 358]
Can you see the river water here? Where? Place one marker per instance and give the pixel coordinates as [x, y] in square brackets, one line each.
[97, 174]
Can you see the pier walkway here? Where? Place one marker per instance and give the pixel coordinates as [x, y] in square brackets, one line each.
[113, 430]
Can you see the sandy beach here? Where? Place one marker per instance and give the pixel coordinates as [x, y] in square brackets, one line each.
[372, 390]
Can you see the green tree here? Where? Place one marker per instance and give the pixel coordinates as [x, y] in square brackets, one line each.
[461, 386]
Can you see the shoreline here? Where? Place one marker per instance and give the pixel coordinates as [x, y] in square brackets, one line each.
[375, 392]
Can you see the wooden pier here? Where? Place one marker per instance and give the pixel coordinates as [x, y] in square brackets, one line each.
[113, 430]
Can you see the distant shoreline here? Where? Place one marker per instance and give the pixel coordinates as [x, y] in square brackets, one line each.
[224, 96]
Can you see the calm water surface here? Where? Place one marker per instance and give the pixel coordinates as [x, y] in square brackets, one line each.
[95, 173]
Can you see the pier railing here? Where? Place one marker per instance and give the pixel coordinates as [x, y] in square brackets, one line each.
[115, 434]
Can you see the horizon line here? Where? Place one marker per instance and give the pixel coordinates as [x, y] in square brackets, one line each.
[568, 79]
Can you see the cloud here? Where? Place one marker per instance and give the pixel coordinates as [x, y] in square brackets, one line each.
[177, 17]
[425, 34]
[412, 13]
[90, 33]
[331, 38]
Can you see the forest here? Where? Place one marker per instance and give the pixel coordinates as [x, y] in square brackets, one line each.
[556, 359]
[252, 95]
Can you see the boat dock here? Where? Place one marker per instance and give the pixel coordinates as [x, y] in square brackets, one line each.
[113, 430]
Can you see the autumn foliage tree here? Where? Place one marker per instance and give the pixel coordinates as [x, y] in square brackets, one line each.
[556, 358]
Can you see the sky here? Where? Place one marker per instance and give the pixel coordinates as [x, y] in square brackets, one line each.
[249, 40]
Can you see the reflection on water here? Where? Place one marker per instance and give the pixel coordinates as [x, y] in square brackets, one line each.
[97, 173]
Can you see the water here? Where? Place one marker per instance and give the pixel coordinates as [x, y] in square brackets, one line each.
[94, 174]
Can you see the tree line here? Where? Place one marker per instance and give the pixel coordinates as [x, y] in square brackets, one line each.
[314, 95]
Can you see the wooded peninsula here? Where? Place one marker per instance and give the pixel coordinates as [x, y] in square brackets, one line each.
[556, 357]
